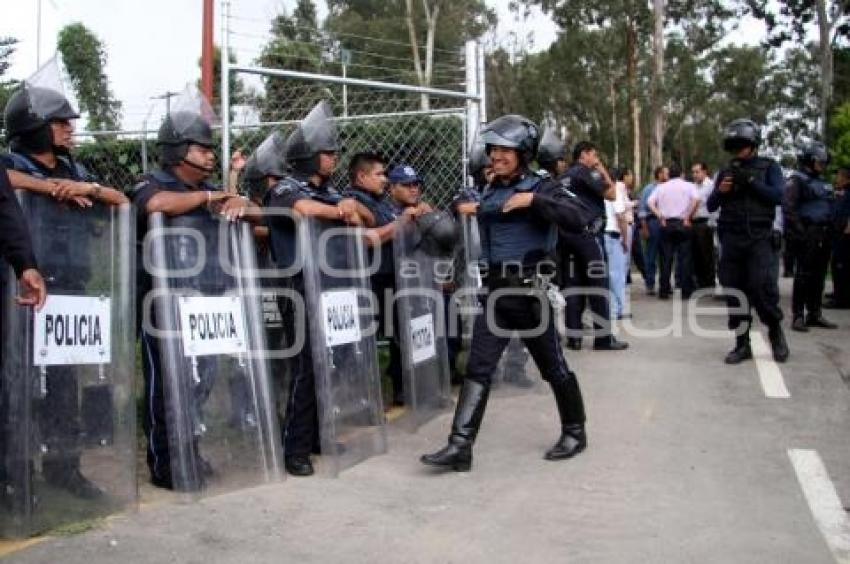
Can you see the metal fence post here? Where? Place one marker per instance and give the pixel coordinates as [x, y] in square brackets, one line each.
[482, 82]
[225, 93]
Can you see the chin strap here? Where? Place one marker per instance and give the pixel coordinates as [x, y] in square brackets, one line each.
[196, 166]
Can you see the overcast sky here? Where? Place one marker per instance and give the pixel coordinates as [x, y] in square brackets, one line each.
[154, 45]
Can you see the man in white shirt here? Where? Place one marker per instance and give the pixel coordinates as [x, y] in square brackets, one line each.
[703, 252]
[674, 203]
[616, 250]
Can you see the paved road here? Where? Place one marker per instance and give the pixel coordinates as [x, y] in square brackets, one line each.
[688, 462]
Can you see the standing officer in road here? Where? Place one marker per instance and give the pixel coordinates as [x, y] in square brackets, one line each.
[179, 187]
[808, 213]
[585, 259]
[39, 127]
[747, 193]
[841, 246]
[312, 151]
[518, 214]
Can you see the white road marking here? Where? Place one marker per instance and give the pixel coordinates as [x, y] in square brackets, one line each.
[771, 377]
[826, 508]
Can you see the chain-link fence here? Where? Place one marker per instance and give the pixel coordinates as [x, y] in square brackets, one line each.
[390, 123]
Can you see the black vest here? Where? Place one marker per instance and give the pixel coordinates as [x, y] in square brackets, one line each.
[742, 209]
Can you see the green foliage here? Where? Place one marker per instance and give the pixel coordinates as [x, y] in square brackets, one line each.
[841, 134]
[115, 162]
[7, 47]
[85, 58]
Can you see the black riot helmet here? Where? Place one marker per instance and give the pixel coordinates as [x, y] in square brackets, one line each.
[478, 161]
[267, 161]
[28, 114]
[811, 153]
[515, 132]
[315, 134]
[438, 233]
[188, 123]
[552, 149]
[741, 133]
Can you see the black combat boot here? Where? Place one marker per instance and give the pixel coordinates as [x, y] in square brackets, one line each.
[799, 324]
[816, 319]
[777, 342]
[742, 350]
[471, 403]
[573, 439]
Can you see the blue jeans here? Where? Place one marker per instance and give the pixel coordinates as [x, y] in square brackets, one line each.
[617, 261]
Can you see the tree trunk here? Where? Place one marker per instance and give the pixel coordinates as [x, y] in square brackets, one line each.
[432, 16]
[826, 64]
[414, 45]
[656, 143]
[613, 93]
[634, 110]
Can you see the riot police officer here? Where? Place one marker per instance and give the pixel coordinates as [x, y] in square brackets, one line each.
[583, 261]
[312, 152]
[178, 188]
[39, 128]
[747, 192]
[552, 154]
[808, 213]
[368, 181]
[518, 214]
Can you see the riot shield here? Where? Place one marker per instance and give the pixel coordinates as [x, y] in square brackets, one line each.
[342, 340]
[67, 407]
[421, 329]
[208, 324]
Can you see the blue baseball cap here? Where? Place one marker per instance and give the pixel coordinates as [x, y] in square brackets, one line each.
[403, 174]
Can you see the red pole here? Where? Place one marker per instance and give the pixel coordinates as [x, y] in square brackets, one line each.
[207, 51]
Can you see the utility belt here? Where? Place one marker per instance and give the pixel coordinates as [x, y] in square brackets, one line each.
[516, 276]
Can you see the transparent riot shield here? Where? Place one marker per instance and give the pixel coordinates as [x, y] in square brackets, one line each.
[421, 330]
[208, 324]
[512, 375]
[341, 332]
[67, 407]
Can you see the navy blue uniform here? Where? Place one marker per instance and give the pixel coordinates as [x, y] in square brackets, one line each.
[808, 210]
[59, 411]
[154, 421]
[749, 260]
[583, 260]
[385, 212]
[301, 424]
[514, 246]
[841, 253]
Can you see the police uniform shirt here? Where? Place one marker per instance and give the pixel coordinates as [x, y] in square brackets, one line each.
[65, 168]
[385, 212]
[70, 238]
[588, 184]
[154, 183]
[285, 195]
[511, 236]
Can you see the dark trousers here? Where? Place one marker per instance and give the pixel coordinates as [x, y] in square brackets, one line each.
[584, 267]
[703, 254]
[813, 251]
[841, 270]
[676, 243]
[301, 424]
[750, 265]
[638, 258]
[517, 313]
[651, 248]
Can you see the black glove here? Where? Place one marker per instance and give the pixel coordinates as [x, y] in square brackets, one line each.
[741, 177]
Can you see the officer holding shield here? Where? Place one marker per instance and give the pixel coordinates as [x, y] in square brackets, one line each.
[39, 128]
[312, 152]
[518, 214]
[178, 188]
